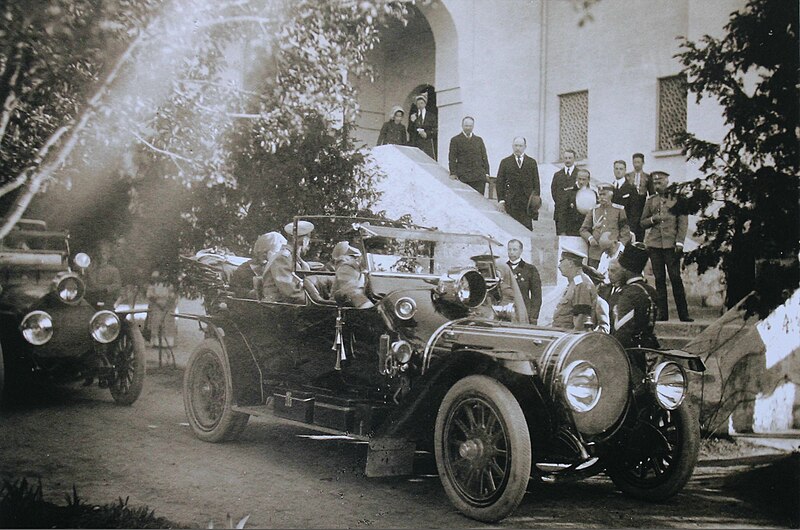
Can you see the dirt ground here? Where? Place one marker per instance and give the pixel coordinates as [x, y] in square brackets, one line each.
[290, 477]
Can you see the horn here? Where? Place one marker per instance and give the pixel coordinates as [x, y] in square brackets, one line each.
[338, 343]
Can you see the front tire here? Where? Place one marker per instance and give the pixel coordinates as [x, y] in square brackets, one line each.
[483, 448]
[129, 365]
[208, 395]
[659, 456]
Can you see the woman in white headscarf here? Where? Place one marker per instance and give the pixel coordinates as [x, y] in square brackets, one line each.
[393, 131]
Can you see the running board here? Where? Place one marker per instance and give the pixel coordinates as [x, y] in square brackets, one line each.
[562, 472]
[266, 410]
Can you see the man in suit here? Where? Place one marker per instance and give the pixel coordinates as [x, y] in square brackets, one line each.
[518, 184]
[664, 242]
[528, 279]
[642, 183]
[563, 180]
[605, 217]
[623, 194]
[423, 126]
[468, 160]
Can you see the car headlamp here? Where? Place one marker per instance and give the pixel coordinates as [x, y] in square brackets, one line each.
[37, 327]
[581, 386]
[405, 308]
[402, 351]
[669, 384]
[104, 326]
[82, 260]
[69, 289]
[465, 287]
[463, 292]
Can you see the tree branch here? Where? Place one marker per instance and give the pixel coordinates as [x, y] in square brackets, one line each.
[162, 151]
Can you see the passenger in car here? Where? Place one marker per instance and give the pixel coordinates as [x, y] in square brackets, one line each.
[349, 287]
[279, 282]
[242, 279]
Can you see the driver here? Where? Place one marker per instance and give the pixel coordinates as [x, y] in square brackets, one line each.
[349, 287]
[633, 306]
[279, 282]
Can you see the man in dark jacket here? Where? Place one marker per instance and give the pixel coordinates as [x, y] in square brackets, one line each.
[528, 279]
[642, 183]
[624, 194]
[423, 127]
[633, 301]
[518, 183]
[468, 160]
[563, 182]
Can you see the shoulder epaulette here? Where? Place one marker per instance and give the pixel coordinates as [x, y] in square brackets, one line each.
[615, 205]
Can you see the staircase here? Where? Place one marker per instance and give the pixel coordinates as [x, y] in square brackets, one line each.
[417, 185]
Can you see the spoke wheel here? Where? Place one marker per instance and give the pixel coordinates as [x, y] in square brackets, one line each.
[129, 366]
[483, 450]
[208, 396]
[659, 455]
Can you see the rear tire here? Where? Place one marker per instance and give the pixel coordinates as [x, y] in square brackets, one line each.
[208, 395]
[483, 448]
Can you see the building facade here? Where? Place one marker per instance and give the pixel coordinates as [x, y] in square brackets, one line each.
[607, 88]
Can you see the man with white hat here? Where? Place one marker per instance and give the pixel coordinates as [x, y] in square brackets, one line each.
[280, 283]
[576, 309]
[422, 126]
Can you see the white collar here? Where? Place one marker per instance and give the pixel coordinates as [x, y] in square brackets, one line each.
[467, 135]
[515, 263]
[635, 279]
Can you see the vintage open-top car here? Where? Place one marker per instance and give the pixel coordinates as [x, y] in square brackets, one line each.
[49, 330]
[435, 365]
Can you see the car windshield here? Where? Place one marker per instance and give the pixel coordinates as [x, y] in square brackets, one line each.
[424, 252]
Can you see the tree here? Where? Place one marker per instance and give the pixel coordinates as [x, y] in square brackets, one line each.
[748, 199]
[170, 90]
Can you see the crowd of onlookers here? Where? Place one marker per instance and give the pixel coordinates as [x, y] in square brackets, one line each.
[595, 220]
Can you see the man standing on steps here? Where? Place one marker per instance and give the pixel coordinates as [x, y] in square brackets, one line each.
[468, 160]
[643, 185]
[528, 279]
[605, 217]
[664, 241]
[563, 182]
[518, 184]
[423, 126]
[624, 195]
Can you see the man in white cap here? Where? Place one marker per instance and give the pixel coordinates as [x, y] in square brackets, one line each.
[576, 309]
[422, 126]
[280, 284]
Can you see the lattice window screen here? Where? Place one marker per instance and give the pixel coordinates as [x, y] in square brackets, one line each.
[574, 126]
[671, 111]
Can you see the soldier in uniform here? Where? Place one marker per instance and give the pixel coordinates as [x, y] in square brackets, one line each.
[349, 286]
[576, 309]
[664, 241]
[633, 301]
[605, 217]
[279, 282]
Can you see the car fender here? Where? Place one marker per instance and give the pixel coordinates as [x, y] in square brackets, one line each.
[247, 378]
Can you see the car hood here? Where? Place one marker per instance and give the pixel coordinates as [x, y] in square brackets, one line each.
[18, 298]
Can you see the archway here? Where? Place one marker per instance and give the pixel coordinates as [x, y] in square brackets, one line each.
[418, 56]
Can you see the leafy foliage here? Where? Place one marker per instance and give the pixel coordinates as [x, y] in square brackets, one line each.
[213, 122]
[23, 506]
[748, 199]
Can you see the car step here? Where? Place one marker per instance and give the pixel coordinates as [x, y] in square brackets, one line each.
[266, 410]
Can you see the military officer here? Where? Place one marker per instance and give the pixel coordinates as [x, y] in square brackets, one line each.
[666, 231]
[605, 217]
[633, 301]
[279, 281]
[576, 309]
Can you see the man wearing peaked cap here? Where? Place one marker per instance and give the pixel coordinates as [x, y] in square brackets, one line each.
[633, 301]
[279, 282]
[605, 217]
[423, 126]
[576, 309]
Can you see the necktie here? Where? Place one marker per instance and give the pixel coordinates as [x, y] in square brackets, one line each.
[519, 162]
